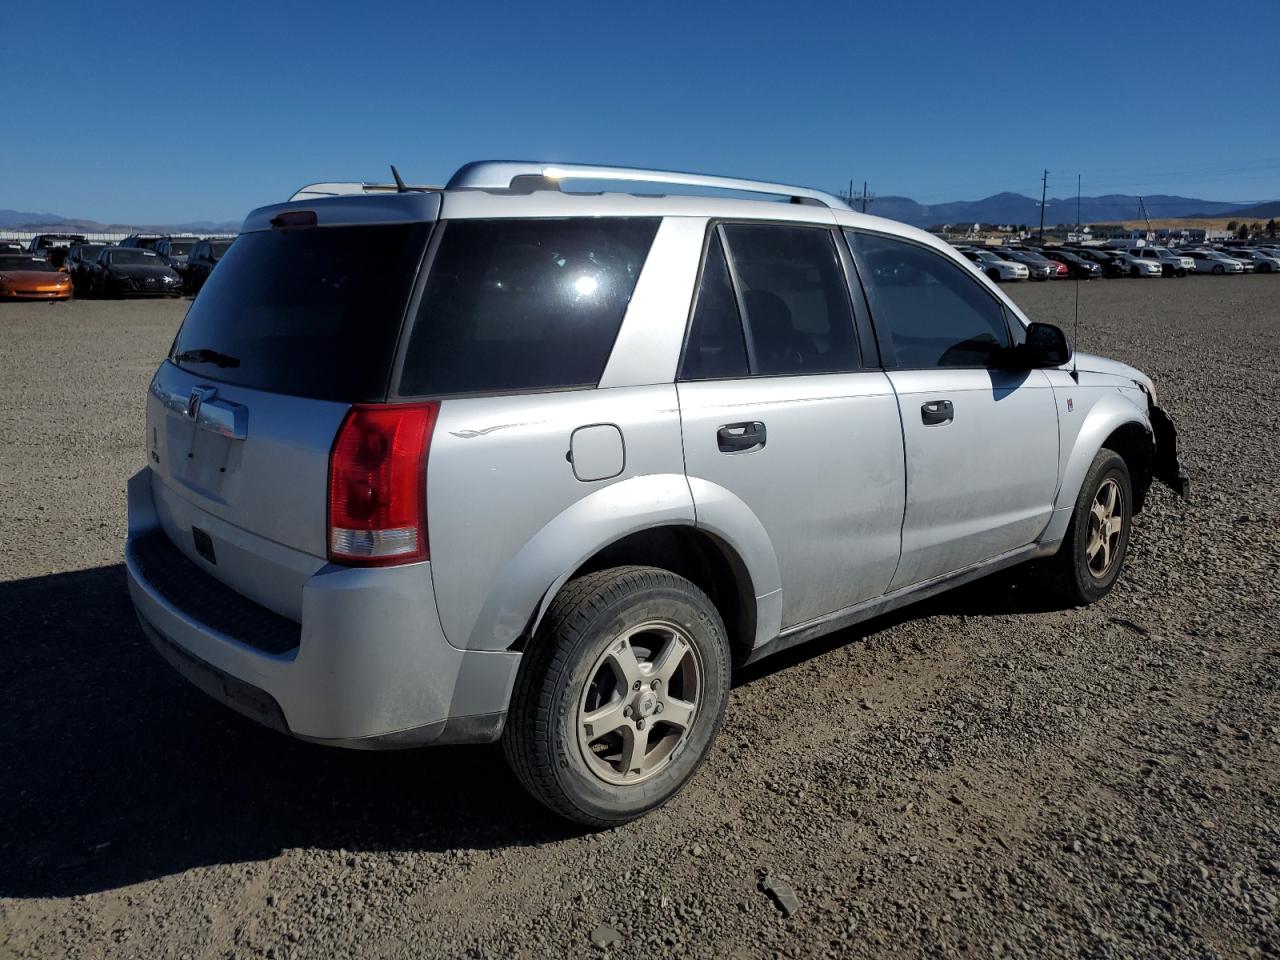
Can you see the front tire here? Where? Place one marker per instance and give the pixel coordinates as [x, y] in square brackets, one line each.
[1219, 269]
[620, 696]
[1092, 554]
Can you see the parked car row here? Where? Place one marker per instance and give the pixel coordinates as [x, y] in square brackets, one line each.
[54, 266]
[1026, 262]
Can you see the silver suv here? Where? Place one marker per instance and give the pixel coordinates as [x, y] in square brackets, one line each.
[502, 461]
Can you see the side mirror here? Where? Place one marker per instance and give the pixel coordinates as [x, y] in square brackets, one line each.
[1045, 346]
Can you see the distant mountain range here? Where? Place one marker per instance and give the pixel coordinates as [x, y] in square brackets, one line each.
[19, 221]
[1011, 208]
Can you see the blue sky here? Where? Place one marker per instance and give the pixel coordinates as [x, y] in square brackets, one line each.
[175, 111]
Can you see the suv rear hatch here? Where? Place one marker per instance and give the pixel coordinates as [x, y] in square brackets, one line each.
[300, 320]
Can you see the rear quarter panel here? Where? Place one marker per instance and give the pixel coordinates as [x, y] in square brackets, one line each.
[507, 517]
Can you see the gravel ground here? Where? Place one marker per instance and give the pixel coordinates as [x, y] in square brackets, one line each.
[986, 775]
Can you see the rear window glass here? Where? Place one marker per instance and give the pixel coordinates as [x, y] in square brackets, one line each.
[134, 257]
[312, 312]
[523, 304]
[38, 264]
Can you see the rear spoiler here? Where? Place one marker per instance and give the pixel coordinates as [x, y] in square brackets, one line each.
[313, 191]
[376, 207]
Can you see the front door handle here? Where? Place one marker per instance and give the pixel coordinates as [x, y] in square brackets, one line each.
[740, 437]
[936, 412]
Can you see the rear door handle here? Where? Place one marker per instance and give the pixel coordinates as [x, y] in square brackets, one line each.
[740, 437]
[936, 412]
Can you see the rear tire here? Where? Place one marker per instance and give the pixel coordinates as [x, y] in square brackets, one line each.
[1092, 554]
[645, 652]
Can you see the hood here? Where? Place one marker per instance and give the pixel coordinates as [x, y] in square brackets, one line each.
[35, 277]
[139, 271]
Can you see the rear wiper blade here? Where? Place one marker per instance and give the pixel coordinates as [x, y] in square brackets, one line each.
[205, 355]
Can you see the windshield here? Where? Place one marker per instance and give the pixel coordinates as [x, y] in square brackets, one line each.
[133, 257]
[39, 264]
[180, 248]
[311, 312]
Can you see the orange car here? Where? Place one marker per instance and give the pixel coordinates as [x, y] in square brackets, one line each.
[28, 277]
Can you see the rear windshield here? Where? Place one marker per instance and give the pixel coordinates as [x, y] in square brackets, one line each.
[516, 305]
[180, 248]
[311, 312]
[38, 264]
[131, 257]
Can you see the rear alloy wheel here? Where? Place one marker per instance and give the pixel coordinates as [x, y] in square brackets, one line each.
[1092, 554]
[620, 695]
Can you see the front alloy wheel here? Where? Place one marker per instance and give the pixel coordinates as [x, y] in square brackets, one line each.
[1088, 563]
[1106, 528]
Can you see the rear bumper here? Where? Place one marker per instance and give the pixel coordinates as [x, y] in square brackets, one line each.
[371, 668]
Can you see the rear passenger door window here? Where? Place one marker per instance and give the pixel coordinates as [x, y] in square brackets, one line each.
[928, 311]
[793, 297]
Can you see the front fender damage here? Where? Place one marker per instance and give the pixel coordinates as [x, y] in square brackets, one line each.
[1165, 466]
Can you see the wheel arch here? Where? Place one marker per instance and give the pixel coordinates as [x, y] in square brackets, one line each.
[724, 550]
[1117, 423]
[1134, 442]
[702, 558]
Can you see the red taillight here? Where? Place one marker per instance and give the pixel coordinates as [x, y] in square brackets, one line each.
[377, 484]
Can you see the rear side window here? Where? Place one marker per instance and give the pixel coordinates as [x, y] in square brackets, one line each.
[311, 312]
[796, 300]
[928, 312]
[515, 305]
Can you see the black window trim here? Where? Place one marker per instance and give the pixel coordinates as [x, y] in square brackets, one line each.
[1015, 330]
[711, 231]
[395, 379]
[714, 225]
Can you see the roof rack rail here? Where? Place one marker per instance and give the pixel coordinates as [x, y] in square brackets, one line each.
[345, 189]
[522, 176]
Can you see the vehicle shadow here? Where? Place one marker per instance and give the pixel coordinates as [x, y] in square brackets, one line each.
[117, 771]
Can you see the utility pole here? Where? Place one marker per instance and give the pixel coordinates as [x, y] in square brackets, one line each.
[864, 196]
[1078, 236]
[1044, 190]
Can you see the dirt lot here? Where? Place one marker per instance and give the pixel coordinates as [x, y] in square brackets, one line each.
[986, 775]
